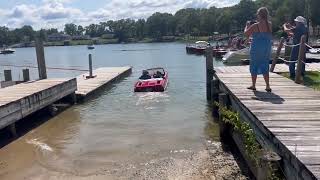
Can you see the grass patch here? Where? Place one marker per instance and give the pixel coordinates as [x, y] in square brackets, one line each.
[311, 79]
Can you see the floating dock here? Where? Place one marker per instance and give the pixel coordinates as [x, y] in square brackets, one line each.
[19, 101]
[102, 77]
[287, 121]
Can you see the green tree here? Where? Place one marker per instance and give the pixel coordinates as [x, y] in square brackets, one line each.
[70, 29]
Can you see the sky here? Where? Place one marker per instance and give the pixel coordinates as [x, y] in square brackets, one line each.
[55, 13]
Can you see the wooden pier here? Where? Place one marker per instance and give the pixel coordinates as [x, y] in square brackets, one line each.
[19, 101]
[287, 121]
[101, 78]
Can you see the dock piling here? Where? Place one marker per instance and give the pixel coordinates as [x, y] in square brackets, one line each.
[301, 59]
[224, 128]
[26, 75]
[90, 68]
[209, 70]
[274, 62]
[41, 59]
[13, 130]
[7, 75]
[215, 96]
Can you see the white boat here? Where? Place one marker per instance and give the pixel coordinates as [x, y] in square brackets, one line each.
[90, 47]
[236, 57]
[7, 51]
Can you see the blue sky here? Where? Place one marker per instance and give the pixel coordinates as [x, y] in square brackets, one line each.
[55, 13]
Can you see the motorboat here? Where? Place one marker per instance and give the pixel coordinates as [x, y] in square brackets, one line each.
[152, 80]
[237, 57]
[198, 47]
[220, 52]
[90, 47]
[7, 51]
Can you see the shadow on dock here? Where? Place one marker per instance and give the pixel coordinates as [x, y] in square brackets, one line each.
[268, 97]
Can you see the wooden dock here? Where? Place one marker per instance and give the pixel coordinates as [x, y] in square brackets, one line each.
[286, 120]
[102, 77]
[19, 101]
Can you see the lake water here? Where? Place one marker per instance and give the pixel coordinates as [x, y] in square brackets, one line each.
[119, 133]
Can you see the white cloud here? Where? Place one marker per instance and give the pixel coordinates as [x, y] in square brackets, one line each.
[55, 13]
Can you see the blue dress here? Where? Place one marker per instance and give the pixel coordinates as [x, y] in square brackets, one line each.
[260, 53]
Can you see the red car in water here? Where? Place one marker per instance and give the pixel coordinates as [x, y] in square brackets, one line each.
[152, 80]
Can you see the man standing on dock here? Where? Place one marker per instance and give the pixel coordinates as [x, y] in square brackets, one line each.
[296, 32]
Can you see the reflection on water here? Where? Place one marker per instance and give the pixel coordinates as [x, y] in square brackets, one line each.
[120, 130]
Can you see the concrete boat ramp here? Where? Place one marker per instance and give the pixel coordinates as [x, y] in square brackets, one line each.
[19, 101]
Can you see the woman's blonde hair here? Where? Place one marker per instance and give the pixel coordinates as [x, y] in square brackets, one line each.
[263, 13]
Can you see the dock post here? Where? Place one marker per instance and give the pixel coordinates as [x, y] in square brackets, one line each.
[41, 59]
[215, 96]
[90, 67]
[7, 75]
[301, 59]
[209, 70]
[13, 130]
[26, 75]
[274, 62]
[224, 128]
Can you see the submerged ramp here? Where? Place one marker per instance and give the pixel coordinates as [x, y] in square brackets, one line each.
[19, 101]
[102, 77]
[286, 120]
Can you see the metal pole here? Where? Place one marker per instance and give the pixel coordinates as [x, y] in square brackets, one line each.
[90, 66]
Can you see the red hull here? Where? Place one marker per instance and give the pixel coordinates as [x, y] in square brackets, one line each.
[152, 85]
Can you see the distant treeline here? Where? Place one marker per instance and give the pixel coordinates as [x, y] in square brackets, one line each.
[194, 22]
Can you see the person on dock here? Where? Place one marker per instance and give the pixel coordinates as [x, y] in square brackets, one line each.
[296, 32]
[260, 50]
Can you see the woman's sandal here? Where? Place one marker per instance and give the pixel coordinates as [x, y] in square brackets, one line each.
[252, 88]
[268, 89]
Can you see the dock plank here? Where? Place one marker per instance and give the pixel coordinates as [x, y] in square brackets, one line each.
[290, 114]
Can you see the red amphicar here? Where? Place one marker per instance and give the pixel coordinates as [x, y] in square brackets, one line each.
[152, 80]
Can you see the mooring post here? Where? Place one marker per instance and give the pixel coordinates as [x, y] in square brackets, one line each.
[7, 75]
[301, 59]
[26, 75]
[215, 96]
[223, 103]
[268, 162]
[274, 62]
[13, 130]
[209, 70]
[41, 59]
[90, 67]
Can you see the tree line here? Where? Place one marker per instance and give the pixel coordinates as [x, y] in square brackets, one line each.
[190, 21]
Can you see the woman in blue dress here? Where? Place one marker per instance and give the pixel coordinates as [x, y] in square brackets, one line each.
[260, 50]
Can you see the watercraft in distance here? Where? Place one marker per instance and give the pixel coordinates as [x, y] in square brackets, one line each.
[7, 51]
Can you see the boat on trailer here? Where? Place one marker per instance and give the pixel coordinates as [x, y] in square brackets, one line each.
[152, 80]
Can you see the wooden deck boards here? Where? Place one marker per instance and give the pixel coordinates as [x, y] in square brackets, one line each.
[103, 77]
[291, 113]
[19, 101]
[278, 68]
